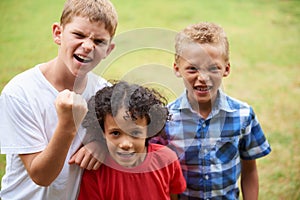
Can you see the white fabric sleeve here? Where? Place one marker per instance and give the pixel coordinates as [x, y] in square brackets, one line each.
[20, 132]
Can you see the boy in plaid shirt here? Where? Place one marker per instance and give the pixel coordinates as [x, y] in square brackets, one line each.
[217, 138]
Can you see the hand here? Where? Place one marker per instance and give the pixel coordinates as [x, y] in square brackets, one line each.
[71, 109]
[90, 156]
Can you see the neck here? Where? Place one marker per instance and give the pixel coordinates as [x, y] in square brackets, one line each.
[61, 79]
[203, 109]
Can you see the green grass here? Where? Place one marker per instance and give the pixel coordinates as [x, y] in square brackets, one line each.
[264, 41]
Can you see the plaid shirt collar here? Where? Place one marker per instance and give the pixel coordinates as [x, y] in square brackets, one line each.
[221, 103]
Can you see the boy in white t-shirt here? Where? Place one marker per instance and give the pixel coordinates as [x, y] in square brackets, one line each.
[42, 108]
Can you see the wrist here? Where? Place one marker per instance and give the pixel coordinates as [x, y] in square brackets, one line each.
[67, 129]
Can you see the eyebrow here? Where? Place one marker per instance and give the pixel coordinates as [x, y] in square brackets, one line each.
[112, 129]
[94, 37]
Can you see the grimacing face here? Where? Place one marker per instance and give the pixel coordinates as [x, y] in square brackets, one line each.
[83, 44]
[202, 67]
[126, 138]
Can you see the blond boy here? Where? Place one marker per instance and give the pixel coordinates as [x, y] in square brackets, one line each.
[217, 138]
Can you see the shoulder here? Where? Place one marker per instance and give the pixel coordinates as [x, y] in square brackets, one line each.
[94, 78]
[236, 106]
[174, 104]
[95, 83]
[162, 152]
[23, 86]
[22, 80]
[235, 103]
[178, 103]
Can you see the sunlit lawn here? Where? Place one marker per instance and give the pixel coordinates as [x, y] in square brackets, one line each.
[264, 39]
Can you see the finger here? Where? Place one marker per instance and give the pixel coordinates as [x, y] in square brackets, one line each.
[97, 149]
[92, 163]
[79, 156]
[65, 100]
[97, 165]
[72, 159]
[85, 161]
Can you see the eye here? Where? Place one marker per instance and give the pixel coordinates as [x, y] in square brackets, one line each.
[100, 42]
[213, 69]
[78, 35]
[191, 69]
[115, 133]
[136, 134]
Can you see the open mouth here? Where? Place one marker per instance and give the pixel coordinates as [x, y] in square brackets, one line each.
[203, 89]
[82, 59]
[125, 155]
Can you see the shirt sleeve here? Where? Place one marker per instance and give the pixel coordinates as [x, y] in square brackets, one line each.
[253, 144]
[178, 183]
[20, 132]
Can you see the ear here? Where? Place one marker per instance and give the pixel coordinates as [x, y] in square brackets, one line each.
[56, 33]
[109, 49]
[176, 70]
[227, 70]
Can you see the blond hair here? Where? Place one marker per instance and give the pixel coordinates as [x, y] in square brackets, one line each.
[95, 10]
[202, 33]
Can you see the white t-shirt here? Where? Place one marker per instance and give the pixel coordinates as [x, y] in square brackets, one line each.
[27, 122]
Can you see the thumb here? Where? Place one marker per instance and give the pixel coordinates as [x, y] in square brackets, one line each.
[72, 160]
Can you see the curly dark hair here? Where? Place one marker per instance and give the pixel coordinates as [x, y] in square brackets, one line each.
[137, 100]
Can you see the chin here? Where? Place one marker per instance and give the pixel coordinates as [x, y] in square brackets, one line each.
[127, 164]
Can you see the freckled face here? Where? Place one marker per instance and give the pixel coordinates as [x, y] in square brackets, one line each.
[83, 44]
[202, 68]
[126, 139]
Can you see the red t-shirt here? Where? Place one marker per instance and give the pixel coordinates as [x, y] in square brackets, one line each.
[156, 178]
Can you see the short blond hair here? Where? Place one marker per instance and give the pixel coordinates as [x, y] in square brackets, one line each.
[95, 10]
[202, 33]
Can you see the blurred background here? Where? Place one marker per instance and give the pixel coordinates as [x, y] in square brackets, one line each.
[264, 37]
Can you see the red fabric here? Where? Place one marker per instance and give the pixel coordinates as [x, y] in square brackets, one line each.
[158, 176]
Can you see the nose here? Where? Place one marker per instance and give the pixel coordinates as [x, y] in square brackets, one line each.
[125, 144]
[87, 45]
[202, 76]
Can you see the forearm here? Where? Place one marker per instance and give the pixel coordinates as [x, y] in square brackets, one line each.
[44, 167]
[249, 181]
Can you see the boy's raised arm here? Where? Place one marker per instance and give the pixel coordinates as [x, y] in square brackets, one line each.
[43, 167]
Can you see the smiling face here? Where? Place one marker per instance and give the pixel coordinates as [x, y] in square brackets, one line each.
[202, 67]
[126, 138]
[83, 44]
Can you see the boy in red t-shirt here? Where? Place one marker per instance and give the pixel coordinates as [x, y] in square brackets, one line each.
[126, 116]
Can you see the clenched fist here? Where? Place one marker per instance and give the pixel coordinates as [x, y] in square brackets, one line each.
[71, 109]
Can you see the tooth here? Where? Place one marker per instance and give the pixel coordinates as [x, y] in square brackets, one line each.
[82, 57]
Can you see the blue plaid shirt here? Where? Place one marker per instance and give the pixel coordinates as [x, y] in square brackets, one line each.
[210, 150]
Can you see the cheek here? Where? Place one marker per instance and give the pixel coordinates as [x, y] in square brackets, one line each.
[217, 79]
[189, 81]
[111, 145]
[101, 52]
[140, 145]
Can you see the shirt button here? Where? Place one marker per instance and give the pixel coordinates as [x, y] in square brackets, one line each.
[206, 177]
[203, 125]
